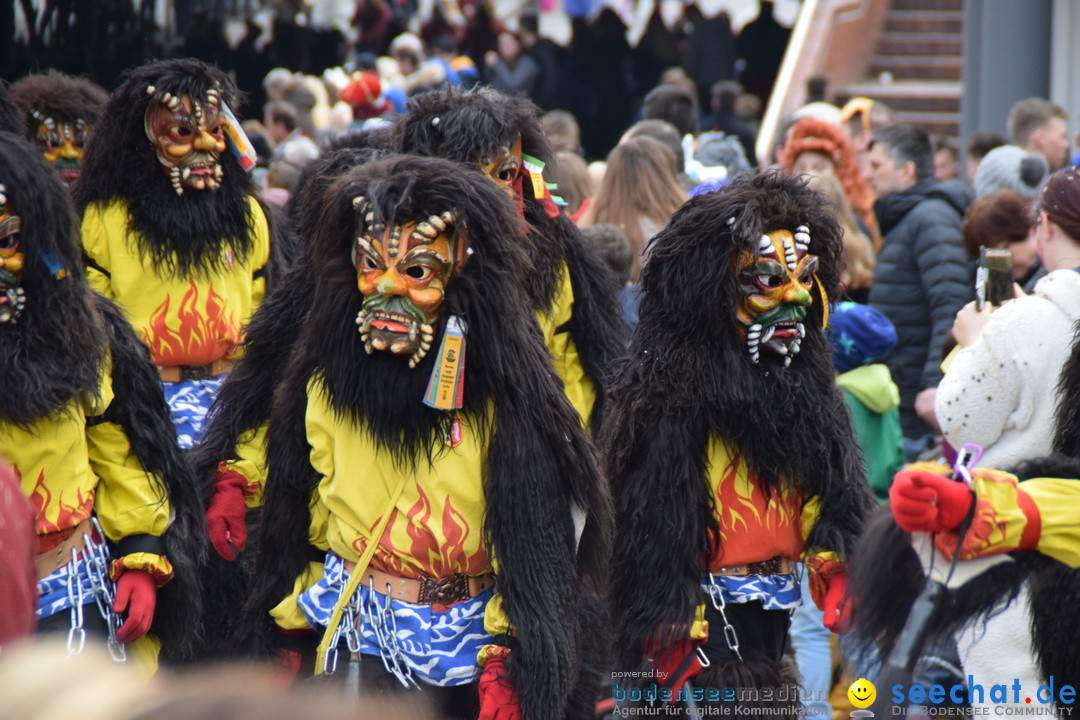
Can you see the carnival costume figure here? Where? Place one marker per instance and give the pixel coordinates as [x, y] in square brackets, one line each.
[83, 422]
[570, 290]
[60, 112]
[172, 227]
[230, 459]
[729, 448]
[1006, 550]
[421, 442]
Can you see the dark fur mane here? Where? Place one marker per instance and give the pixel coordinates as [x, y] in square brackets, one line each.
[688, 374]
[379, 390]
[1067, 421]
[10, 118]
[181, 234]
[56, 348]
[62, 97]
[466, 125]
[538, 460]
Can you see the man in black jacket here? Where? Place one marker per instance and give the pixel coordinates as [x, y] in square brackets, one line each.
[921, 279]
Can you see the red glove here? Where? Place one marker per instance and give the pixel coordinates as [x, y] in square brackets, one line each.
[922, 500]
[837, 605]
[673, 666]
[136, 593]
[498, 697]
[289, 659]
[225, 517]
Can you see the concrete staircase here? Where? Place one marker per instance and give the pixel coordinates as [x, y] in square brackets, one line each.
[916, 68]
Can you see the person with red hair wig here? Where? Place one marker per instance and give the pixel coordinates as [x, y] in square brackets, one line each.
[817, 147]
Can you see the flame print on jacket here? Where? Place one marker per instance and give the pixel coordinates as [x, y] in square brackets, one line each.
[52, 514]
[196, 334]
[753, 526]
[437, 549]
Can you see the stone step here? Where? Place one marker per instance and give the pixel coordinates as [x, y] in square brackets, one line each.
[903, 103]
[934, 106]
[956, 5]
[908, 44]
[933, 123]
[906, 67]
[924, 21]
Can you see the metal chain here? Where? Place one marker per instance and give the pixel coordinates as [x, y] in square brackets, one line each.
[76, 639]
[716, 594]
[104, 589]
[384, 624]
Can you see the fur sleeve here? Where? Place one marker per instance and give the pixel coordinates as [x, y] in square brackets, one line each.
[663, 518]
[282, 551]
[139, 407]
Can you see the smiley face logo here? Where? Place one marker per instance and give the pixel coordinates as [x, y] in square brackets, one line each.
[862, 693]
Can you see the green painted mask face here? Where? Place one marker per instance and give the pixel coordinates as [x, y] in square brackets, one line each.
[402, 272]
[775, 283]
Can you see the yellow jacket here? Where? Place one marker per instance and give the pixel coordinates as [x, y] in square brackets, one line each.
[436, 529]
[184, 321]
[755, 527]
[251, 447]
[1036, 514]
[72, 463]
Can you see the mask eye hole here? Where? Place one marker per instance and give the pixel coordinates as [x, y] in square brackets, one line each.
[507, 170]
[368, 263]
[418, 272]
[9, 242]
[769, 281]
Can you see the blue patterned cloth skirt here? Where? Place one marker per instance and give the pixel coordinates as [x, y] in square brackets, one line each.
[189, 401]
[439, 648]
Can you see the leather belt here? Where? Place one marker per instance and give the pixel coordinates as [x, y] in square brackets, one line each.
[177, 373]
[58, 556]
[773, 566]
[425, 591]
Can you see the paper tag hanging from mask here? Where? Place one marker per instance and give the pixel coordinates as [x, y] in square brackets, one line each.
[238, 140]
[446, 387]
[535, 168]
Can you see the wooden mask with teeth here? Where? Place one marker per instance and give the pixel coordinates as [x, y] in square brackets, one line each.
[12, 297]
[188, 136]
[402, 268]
[775, 284]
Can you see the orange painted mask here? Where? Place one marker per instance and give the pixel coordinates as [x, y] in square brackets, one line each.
[402, 272]
[505, 167]
[188, 138]
[775, 283]
[12, 296]
[62, 144]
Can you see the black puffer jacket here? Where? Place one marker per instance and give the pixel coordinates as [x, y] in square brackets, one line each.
[920, 282]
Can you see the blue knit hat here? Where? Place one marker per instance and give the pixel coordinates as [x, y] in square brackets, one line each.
[860, 335]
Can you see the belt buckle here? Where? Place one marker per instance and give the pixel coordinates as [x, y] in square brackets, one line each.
[772, 566]
[443, 591]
